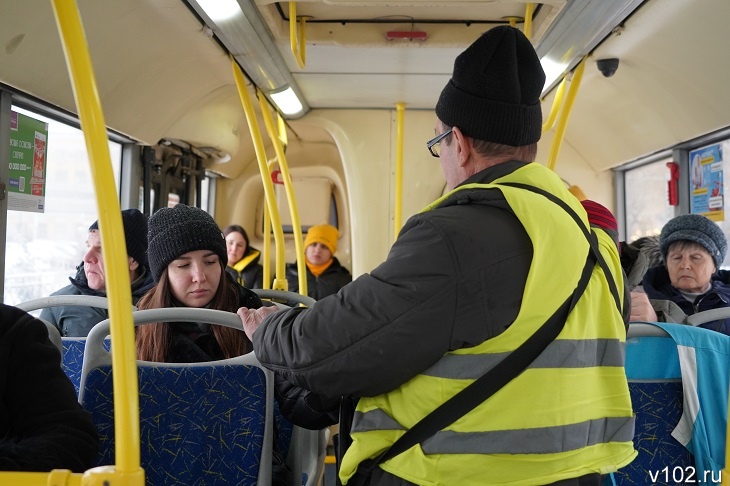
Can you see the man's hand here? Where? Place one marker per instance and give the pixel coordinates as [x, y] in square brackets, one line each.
[252, 318]
[641, 309]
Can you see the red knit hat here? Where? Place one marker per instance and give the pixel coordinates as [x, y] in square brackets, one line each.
[600, 217]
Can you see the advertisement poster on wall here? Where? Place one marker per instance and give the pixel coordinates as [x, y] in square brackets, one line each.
[706, 182]
[28, 149]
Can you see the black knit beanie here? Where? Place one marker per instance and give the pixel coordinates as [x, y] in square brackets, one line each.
[494, 92]
[135, 234]
[179, 230]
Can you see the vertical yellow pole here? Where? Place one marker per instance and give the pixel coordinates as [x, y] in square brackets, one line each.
[267, 248]
[126, 392]
[557, 104]
[297, 40]
[281, 130]
[291, 199]
[398, 211]
[529, 9]
[280, 282]
[565, 115]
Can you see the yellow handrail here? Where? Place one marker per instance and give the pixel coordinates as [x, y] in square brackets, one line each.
[557, 104]
[267, 242]
[291, 199]
[57, 477]
[565, 115]
[280, 282]
[527, 28]
[297, 37]
[281, 130]
[397, 217]
[126, 392]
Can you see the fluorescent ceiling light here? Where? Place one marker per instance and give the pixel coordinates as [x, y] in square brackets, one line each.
[287, 101]
[219, 10]
[240, 28]
[553, 70]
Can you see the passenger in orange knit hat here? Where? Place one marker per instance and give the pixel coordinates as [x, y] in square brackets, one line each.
[325, 274]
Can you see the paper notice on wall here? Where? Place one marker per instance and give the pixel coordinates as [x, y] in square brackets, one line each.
[706, 182]
[28, 151]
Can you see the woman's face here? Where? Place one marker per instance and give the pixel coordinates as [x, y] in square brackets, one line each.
[235, 246]
[194, 277]
[317, 254]
[690, 266]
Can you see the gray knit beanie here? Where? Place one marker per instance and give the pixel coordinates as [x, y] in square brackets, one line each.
[179, 230]
[494, 91]
[698, 229]
[135, 234]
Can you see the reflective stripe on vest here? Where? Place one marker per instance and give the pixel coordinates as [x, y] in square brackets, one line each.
[571, 406]
[541, 440]
[564, 353]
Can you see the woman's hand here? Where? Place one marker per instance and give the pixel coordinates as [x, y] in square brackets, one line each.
[252, 318]
[641, 309]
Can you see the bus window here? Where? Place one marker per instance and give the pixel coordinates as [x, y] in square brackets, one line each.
[44, 249]
[646, 188]
[316, 203]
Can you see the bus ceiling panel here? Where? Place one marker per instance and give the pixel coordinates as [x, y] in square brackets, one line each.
[650, 48]
[381, 91]
[216, 121]
[364, 22]
[352, 36]
[132, 46]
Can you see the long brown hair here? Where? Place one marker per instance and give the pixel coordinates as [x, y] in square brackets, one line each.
[153, 340]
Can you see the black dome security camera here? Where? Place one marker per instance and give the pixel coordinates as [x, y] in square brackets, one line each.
[607, 66]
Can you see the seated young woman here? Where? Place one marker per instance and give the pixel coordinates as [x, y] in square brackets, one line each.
[187, 257]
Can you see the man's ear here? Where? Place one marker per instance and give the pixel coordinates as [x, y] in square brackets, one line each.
[133, 265]
[462, 146]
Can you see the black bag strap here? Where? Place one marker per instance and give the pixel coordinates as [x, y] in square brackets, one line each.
[511, 366]
[594, 244]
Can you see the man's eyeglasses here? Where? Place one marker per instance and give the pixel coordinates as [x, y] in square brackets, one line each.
[433, 144]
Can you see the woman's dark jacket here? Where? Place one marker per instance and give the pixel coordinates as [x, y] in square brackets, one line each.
[330, 282]
[252, 276]
[42, 425]
[657, 286]
[194, 342]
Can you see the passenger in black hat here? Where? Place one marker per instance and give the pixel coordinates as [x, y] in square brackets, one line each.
[467, 282]
[76, 320]
[187, 256]
[693, 248]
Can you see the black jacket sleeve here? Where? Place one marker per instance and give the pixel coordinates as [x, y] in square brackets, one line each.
[388, 326]
[303, 407]
[43, 427]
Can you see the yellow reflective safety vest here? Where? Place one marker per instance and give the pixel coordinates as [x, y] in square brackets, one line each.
[567, 415]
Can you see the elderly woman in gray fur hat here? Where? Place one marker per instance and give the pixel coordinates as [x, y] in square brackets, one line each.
[693, 248]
